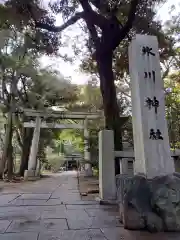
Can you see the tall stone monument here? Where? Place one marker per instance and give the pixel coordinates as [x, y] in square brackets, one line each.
[151, 141]
[150, 200]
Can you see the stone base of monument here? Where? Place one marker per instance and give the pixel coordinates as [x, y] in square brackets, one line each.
[152, 205]
[31, 175]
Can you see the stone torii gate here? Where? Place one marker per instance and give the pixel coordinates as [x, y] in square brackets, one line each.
[39, 123]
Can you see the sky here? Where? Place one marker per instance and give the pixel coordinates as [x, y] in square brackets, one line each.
[72, 70]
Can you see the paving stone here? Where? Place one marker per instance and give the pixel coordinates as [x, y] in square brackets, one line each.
[19, 215]
[59, 191]
[53, 208]
[68, 214]
[26, 202]
[92, 222]
[94, 234]
[87, 206]
[65, 197]
[69, 201]
[121, 233]
[19, 236]
[31, 214]
[87, 202]
[79, 219]
[22, 225]
[102, 212]
[75, 206]
[53, 214]
[35, 196]
[54, 202]
[4, 224]
[32, 208]
[6, 198]
[103, 222]
[55, 224]
[38, 225]
[23, 212]
[10, 208]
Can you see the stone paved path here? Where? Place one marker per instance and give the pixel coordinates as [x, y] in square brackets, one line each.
[51, 209]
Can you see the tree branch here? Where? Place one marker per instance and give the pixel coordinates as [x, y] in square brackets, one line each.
[131, 18]
[126, 28]
[167, 70]
[90, 22]
[96, 18]
[52, 28]
[101, 5]
[97, 3]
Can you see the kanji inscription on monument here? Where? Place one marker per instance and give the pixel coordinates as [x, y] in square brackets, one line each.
[151, 140]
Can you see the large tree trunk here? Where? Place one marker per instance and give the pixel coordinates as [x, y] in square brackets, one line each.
[111, 108]
[27, 139]
[41, 156]
[7, 143]
[10, 152]
[10, 162]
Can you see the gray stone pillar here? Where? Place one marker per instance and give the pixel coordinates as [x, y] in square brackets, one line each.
[67, 164]
[107, 181]
[32, 165]
[123, 165]
[88, 167]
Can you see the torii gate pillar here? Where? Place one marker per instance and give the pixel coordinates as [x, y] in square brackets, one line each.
[31, 173]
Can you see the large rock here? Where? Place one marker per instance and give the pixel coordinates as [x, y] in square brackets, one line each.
[166, 201]
[149, 204]
[123, 182]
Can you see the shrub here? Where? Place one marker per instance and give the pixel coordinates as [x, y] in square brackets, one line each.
[54, 162]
